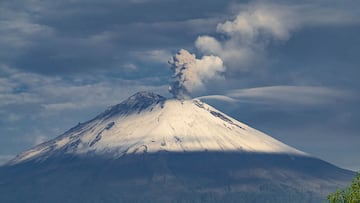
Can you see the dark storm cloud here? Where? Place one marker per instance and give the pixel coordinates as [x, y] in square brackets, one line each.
[88, 17]
[82, 36]
[62, 37]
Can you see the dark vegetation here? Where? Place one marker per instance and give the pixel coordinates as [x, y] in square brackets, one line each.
[350, 194]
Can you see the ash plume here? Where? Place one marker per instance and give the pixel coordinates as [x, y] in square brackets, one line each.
[245, 39]
[240, 45]
[190, 73]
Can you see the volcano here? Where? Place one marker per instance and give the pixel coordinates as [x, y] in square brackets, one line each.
[152, 149]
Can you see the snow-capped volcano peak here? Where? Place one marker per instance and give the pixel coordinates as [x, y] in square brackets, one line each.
[134, 104]
[149, 123]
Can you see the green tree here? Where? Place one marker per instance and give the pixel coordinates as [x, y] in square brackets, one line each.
[351, 194]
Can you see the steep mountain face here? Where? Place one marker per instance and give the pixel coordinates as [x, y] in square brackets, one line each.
[148, 123]
[152, 149]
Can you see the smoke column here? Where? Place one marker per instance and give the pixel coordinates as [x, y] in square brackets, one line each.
[245, 39]
[190, 73]
[242, 47]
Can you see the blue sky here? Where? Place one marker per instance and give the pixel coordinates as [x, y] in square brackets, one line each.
[290, 69]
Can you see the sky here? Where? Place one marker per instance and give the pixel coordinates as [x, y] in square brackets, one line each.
[287, 68]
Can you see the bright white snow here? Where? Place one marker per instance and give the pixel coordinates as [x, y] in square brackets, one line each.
[164, 125]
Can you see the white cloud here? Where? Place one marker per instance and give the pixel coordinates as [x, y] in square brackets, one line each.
[208, 45]
[242, 42]
[286, 95]
[223, 98]
[248, 35]
[260, 19]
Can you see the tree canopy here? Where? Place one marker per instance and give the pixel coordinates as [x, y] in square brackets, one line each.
[351, 194]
